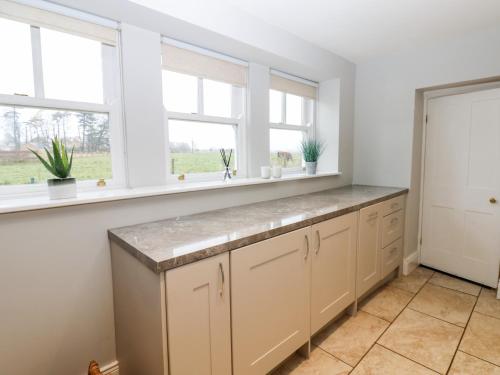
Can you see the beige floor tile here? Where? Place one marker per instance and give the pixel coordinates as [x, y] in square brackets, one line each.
[443, 303]
[488, 304]
[414, 281]
[482, 338]
[465, 364]
[319, 363]
[351, 337]
[380, 361]
[454, 283]
[387, 303]
[424, 339]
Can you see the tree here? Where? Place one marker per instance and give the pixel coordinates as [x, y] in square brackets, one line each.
[60, 120]
[15, 136]
[87, 121]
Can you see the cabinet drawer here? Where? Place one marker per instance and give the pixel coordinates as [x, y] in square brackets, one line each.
[393, 205]
[392, 227]
[391, 257]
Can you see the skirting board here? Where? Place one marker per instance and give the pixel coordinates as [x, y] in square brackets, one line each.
[110, 369]
[410, 263]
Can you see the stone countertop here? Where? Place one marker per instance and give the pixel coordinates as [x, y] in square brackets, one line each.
[166, 244]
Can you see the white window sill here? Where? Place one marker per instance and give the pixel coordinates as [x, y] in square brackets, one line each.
[39, 202]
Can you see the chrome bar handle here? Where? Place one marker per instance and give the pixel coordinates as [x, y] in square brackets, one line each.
[307, 247]
[319, 241]
[221, 272]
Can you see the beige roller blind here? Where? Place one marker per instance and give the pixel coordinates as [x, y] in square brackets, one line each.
[292, 87]
[43, 18]
[185, 61]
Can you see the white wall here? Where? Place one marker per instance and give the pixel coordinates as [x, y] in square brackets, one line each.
[385, 109]
[55, 275]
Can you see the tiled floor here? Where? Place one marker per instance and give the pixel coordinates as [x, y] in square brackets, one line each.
[423, 323]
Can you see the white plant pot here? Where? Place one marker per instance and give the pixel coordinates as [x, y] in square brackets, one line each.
[62, 188]
[311, 168]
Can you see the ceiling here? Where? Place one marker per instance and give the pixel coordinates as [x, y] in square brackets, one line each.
[362, 29]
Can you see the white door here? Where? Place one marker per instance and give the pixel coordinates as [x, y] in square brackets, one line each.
[460, 227]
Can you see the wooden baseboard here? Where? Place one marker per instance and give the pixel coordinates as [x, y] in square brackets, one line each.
[410, 263]
[110, 369]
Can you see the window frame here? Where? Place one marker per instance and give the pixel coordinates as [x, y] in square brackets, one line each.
[112, 106]
[308, 130]
[237, 120]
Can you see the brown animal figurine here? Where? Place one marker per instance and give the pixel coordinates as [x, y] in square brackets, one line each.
[94, 368]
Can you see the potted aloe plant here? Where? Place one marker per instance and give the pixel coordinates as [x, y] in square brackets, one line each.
[311, 151]
[59, 164]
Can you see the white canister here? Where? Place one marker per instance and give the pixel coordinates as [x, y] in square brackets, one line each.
[265, 172]
[276, 171]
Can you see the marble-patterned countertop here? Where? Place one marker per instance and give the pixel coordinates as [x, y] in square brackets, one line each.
[170, 243]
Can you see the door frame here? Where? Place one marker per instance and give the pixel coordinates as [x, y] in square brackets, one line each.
[428, 95]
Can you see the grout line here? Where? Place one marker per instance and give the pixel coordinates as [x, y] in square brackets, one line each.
[331, 355]
[440, 319]
[456, 290]
[463, 333]
[412, 360]
[481, 359]
[489, 316]
[390, 323]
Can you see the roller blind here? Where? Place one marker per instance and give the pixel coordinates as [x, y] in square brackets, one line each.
[292, 87]
[43, 18]
[184, 61]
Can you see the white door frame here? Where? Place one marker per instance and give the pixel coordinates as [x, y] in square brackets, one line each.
[432, 94]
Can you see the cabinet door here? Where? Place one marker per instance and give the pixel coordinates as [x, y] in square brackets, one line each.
[270, 283]
[333, 268]
[198, 315]
[368, 248]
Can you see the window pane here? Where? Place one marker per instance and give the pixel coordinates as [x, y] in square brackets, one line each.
[216, 98]
[180, 92]
[72, 67]
[285, 147]
[194, 146]
[275, 106]
[293, 109]
[16, 64]
[22, 128]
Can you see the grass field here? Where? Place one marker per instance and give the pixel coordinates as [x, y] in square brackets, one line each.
[93, 167]
[88, 167]
[206, 161]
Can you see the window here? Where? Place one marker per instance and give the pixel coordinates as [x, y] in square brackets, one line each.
[59, 79]
[204, 98]
[291, 118]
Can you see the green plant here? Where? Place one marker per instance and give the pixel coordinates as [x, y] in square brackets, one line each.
[58, 163]
[311, 149]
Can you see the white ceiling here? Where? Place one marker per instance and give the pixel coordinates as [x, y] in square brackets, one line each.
[362, 29]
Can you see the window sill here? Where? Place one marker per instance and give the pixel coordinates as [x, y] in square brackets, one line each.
[30, 203]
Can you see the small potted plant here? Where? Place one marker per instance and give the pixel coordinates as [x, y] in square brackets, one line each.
[59, 164]
[311, 150]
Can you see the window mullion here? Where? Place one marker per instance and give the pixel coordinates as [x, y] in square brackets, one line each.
[283, 108]
[36, 52]
[201, 109]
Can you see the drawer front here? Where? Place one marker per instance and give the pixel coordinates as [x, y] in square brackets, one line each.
[393, 205]
[392, 227]
[391, 257]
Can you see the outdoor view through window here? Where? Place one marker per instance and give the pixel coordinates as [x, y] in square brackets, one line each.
[200, 125]
[71, 71]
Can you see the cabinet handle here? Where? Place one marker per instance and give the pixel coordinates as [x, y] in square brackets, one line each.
[393, 250]
[221, 271]
[373, 215]
[394, 205]
[307, 247]
[394, 220]
[319, 241]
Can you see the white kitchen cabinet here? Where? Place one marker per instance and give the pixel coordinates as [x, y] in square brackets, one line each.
[270, 286]
[333, 277]
[368, 262]
[198, 316]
